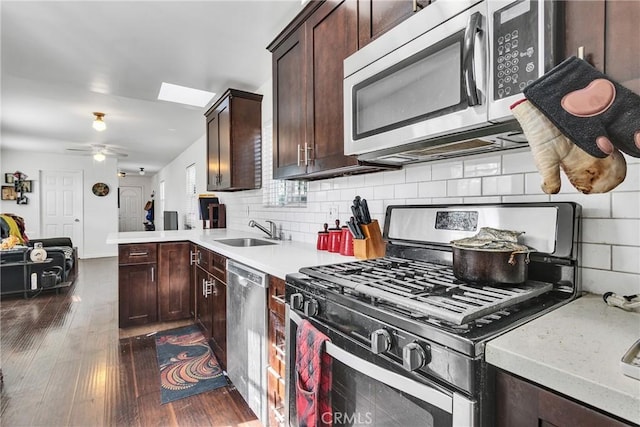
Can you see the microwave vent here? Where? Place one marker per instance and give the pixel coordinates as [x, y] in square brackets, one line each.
[459, 146]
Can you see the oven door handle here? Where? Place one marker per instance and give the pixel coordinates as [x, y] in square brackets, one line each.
[420, 391]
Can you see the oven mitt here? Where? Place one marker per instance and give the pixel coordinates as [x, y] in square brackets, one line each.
[593, 111]
[552, 150]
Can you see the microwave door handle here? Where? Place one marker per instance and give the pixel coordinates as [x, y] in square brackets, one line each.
[468, 53]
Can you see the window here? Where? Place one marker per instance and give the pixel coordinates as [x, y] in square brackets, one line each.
[191, 211]
[278, 192]
[162, 199]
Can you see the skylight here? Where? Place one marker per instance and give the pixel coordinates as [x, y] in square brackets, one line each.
[184, 95]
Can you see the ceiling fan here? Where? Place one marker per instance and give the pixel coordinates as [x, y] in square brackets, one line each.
[98, 151]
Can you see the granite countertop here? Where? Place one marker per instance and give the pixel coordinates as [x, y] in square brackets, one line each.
[576, 350]
[278, 260]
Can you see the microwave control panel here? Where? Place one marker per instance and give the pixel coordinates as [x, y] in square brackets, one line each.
[515, 47]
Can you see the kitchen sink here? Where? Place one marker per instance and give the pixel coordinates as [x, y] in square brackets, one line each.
[246, 242]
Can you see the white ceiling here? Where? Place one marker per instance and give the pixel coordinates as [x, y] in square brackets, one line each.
[63, 60]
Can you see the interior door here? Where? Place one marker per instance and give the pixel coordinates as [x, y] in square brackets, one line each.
[130, 216]
[61, 206]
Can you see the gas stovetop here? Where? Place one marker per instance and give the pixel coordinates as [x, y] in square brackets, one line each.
[424, 289]
[414, 289]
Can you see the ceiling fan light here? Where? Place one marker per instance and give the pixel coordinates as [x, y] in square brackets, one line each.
[98, 122]
[141, 171]
[99, 157]
[121, 174]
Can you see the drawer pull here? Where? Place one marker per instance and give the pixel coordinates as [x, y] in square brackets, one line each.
[278, 298]
[138, 253]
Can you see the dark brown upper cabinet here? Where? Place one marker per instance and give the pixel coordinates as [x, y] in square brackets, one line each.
[376, 17]
[607, 30]
[308, 123]
[234, 142]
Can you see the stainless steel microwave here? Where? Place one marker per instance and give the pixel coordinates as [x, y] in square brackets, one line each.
[440, 84]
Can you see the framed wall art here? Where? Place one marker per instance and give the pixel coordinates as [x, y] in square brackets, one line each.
[8, 192]
[24, 186]
[9, 178]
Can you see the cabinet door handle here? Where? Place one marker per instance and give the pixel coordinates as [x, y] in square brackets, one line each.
[298, 154]
[415, 5]
[192, 257]
[203, 284]
[153, 276]
[580, 53]
[307, 148]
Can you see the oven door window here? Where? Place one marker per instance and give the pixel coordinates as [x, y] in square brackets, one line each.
[427, 84]
[361, 400]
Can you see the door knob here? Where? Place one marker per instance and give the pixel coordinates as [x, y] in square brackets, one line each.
[76, 220]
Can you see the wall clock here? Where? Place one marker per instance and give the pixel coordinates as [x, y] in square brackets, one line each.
[100, 189]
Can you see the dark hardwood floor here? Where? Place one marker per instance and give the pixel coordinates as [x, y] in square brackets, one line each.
[64, 364]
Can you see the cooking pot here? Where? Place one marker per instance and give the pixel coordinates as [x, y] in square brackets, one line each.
[490, 266]
[493, 256]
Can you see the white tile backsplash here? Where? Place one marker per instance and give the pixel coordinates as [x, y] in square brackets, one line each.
[432, 189]
[447, 170]
[611, 231]
[505, 184]
[464, 187]
[601, 281]
[482, 166]
[393, 177]
[418, 172]
[626, 259]
[596, 256]
[384, 192]
[625, 205]
[406, 191]
[593, 205]
[610, 225]
[521, 161]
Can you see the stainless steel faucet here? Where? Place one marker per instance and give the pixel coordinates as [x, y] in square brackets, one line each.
[272, 233]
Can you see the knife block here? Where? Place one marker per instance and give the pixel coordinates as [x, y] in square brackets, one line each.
[372, 246]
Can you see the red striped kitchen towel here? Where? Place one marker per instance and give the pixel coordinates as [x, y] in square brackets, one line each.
[313, 372]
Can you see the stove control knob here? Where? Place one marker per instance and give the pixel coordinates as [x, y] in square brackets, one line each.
[295, 301]
[414, 356]
[380, 341]
[310, 308]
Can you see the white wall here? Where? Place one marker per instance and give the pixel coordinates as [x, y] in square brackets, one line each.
[174, 176]
[100, 213]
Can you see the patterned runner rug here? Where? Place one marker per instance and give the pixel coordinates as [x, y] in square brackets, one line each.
[187, 364]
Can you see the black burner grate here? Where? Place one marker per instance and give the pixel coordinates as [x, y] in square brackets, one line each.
[425, 288]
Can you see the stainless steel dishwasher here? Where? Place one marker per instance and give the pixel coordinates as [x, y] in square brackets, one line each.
[247, 335]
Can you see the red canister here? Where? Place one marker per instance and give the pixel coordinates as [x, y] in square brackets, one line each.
[334, 237]
[322, 244]
[346, 242]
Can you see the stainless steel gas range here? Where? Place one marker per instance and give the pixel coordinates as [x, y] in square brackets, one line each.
[408, 337]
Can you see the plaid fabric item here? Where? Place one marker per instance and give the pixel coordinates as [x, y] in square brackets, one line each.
[313, 371]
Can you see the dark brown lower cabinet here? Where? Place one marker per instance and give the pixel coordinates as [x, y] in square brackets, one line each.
[524, 404]
[219, 320]
[276, 353]
[204, 305]
[173, 281]
[137, 294]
